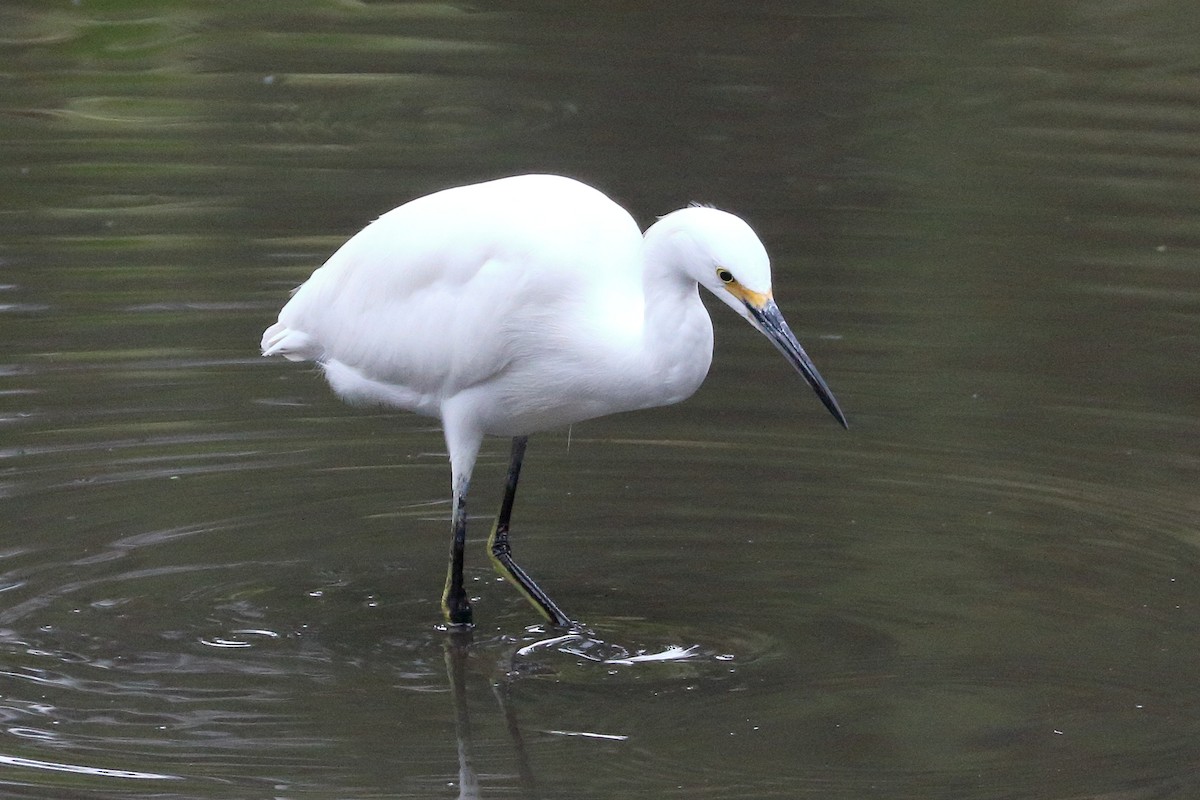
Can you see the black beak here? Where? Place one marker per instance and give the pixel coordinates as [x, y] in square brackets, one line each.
[771, 322]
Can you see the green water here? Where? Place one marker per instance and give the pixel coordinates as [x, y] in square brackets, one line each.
[218, 582]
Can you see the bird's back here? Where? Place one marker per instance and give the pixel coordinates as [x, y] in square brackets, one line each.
[456, 289]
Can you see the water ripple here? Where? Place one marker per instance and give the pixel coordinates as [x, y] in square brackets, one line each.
[56, 766]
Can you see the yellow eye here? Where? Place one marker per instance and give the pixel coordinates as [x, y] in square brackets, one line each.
[725, 275]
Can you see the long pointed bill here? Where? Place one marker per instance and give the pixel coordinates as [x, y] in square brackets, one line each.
[770, 322]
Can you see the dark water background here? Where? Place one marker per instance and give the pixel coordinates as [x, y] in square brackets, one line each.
[218, 582]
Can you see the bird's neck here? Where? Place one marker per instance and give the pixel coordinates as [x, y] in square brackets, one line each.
[677, 333]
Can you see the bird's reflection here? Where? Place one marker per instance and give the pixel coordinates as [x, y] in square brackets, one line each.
[458, 648]
[458, 645]
[515, 663]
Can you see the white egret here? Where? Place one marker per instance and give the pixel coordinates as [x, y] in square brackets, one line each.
[522, 304]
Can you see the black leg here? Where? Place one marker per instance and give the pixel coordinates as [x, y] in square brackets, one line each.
[501, 550]
[456, 606]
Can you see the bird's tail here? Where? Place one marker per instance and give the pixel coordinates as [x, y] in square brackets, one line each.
[294, 345]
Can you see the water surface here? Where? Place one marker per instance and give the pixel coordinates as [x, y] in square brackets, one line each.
[216, 581]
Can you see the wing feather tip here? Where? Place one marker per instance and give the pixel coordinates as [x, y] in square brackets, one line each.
[280, 340]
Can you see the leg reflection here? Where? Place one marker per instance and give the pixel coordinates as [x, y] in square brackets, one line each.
[457, 651]
[457, 646]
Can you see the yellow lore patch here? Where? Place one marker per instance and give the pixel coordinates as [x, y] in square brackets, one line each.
[756, 300]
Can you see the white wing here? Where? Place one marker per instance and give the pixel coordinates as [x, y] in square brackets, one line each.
[454, 289]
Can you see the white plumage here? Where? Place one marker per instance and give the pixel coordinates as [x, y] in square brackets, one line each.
[522, 304]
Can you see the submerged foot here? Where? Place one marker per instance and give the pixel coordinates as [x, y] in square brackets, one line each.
[457, 611]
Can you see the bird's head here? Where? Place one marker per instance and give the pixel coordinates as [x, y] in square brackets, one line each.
[723, 254]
